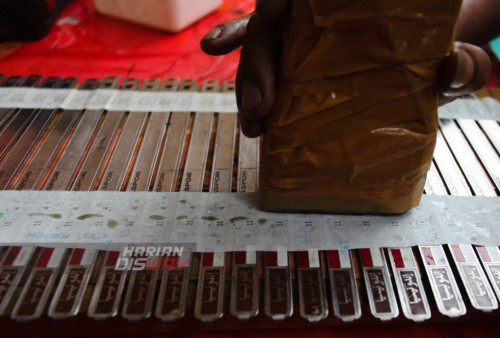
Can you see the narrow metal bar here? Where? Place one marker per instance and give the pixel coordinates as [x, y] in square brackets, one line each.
[21, 117]
[144, 168]
[343, 286]
[209, 300]
[278, 298]
[196, 160]
[170, 162]
[70, 291]
[312, 294]
[12, 269]
[409, 284]
[29, 138]
[244, 301]
[378, 284]
[61, 176]
[91, 169]
[108, 289]
[36, 291]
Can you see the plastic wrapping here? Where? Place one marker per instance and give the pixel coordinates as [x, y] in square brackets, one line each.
[355, 122]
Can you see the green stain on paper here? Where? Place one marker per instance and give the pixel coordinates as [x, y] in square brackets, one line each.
[156, 217]
[183, 201]
[262, 221]
[182, 217]
[1, 214]
[112, 223]
[210, 218]
[85, 216]
[56, 216]
[239, 218]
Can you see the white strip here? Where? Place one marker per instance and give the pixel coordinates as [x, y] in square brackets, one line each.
[407, 255]
[282, 256]
[471, 107]
[114, 99]
[81, 219]
[468, 252]
[313, 256]
[494, 254]
[376, 254]
[492, 129]
[23, 256]
[219, 259]
[251, 255]
[344, 258]
[433, 183]
[483, 148]
[467, 159]
[55, 258]
[438, 255]
[133, 100]
[449, 169]
[88, 257]
[492, 105]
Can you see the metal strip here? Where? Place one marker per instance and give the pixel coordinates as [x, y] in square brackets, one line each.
[36, 291]
[312, 294]
[343, 286]
[144, 168]
[196, 160]
[71, 289]
[68, 163]
[171, 157]
[11, 274]
[378, 285]
[278, 298]
[409, 284]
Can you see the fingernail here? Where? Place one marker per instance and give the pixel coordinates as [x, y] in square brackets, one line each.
[213, 34]
[464, 71]
[251, 96]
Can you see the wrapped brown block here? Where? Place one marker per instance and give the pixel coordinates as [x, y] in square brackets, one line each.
[355, 123]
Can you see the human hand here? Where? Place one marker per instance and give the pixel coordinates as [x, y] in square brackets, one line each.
[464, 71]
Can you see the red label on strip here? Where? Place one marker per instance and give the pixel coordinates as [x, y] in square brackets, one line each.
[207, 259]
[485, 255]
[366, 257]
[302, 259]
[112, 258]
[457, 252]
[397, 258]
[272, 258]
[44, 258]
[428, 257]
[240, 257]
[334, 259]
[11, 256]
[76, 256]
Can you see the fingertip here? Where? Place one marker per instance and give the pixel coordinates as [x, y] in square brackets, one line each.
[251, 128]
[466, 70]
[209, 43]
[225, 37]
[213, 34]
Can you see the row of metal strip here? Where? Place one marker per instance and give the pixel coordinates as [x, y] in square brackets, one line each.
[161, 285]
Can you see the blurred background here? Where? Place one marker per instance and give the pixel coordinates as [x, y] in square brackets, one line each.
[81, 42]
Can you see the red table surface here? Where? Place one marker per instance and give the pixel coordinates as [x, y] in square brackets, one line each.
[85, 44]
